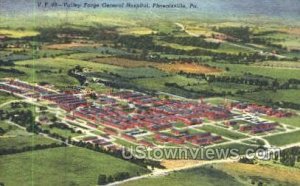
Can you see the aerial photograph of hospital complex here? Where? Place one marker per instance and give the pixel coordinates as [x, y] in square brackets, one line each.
[146, 93]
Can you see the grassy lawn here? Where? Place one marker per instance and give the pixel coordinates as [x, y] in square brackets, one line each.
[61, 132]
[179, 125]
[200, 176]
[293, 121]
[15, 137]
[223, 132]
[125, 143]
[61, 166]
[23, 141]
[284, 139]
[12, 130]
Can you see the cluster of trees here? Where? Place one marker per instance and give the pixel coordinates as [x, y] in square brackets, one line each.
[12, 71]
[6, 62]
[147, 43]
[246, 160]
[65, 33]
[285, 104]
[116, 82]
[117, 153]
[236, 79]
[29, 148]
[25, 119]
[2, 131]
[103, 179]
[79, 77]
[44, 71]
[205, 93]
[242, 33]
[267, 42]
[232, 79]
[191, 41]
[62, 126]
[248, 79]
[291, 84]
[21, 117]
[15, 105]
[289, 156]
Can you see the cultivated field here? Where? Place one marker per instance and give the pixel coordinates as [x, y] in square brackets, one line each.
[174, 67]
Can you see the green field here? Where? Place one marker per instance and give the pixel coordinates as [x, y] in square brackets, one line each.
[61, 166]
[12, 130]
[277, 96]
[293, 121]
[200, 176]
[6, 97]
[18, 141]
[65, 133]
[284, 139]
[15, 137]
[31, 68]
[279, 73]
[235, 48]
[223, 132]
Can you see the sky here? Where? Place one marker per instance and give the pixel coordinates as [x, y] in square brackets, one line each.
[285, 9]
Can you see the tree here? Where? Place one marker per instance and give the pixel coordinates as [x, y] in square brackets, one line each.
[121, 176]
[53, 119]
[110, 179]
[102, 180]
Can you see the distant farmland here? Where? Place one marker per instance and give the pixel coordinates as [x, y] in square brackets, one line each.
[174, 67]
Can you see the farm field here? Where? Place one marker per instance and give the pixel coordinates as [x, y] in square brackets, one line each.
[66, 165]
[17, 33]
[188, 68]
[174, 67]
[280, 73]
[158, 83]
